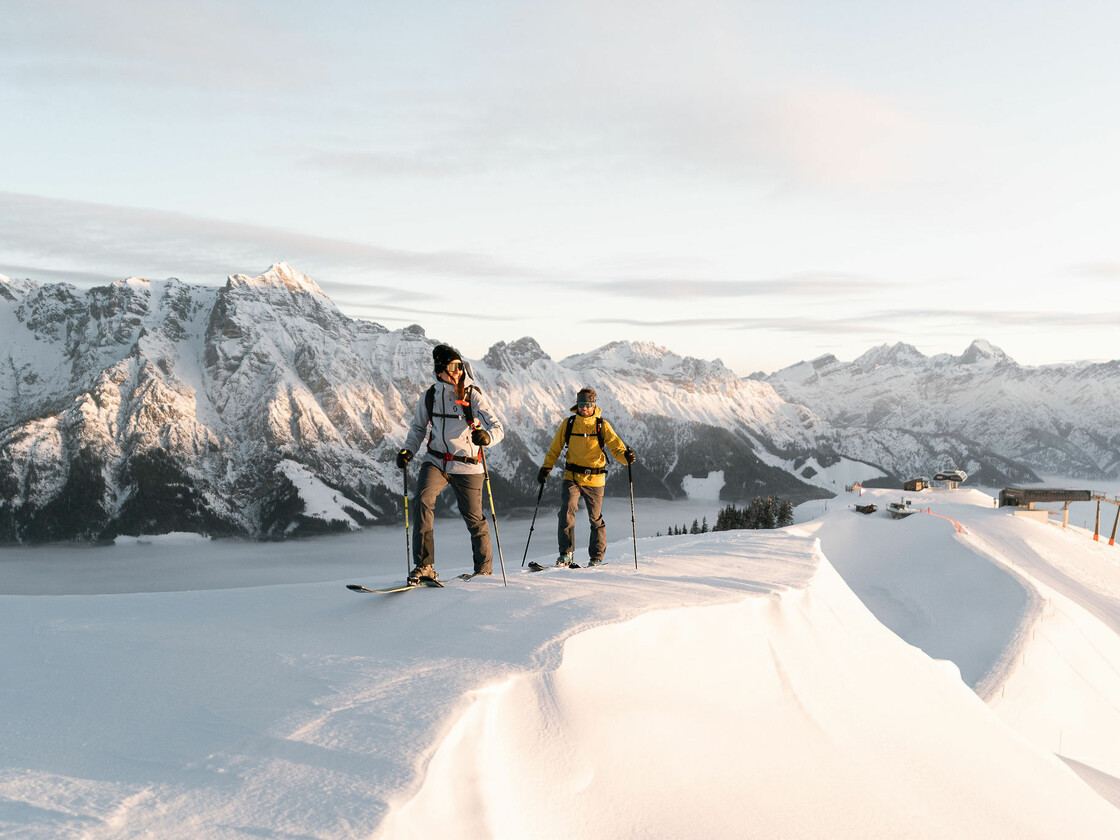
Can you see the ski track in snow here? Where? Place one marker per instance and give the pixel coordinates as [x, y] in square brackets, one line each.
[736, 670]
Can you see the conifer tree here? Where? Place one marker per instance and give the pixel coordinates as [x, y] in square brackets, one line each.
[754, 514]
[770, 512]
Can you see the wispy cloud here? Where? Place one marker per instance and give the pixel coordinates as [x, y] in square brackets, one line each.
[683, 288]
[817, 326]
[63, 238]
[50, 275]
[658, 86]
[204, 44]
[407, 314]
[1109, 271]
[1007, 318]
[886, 322]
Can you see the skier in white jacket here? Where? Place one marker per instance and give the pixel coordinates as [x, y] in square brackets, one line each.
[459, 420]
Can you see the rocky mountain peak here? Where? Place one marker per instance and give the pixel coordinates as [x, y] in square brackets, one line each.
[12, 289]
[516, 355]
[279, 276]
[982, 352]
[899, 354]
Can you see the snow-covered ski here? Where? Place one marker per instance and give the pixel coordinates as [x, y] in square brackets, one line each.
[357, 587]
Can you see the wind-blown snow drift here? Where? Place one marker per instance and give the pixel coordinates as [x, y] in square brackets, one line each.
[732, 686]
[792, 713]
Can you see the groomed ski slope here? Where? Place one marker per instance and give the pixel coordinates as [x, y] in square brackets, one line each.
[733, 686]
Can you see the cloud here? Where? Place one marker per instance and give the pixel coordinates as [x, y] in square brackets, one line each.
[817, 326]
[204, 44]
[602, 89]
[49, 275]
[1097, 270]
[1006, 318]
[827, 284]
[357, 306]
[886, 322]
[66, 238]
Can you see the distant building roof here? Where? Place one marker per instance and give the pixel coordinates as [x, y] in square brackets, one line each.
[1026, 495]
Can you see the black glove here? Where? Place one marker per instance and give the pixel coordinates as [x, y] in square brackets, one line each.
[480, 437]
[629, 455]
[542, 476]
[403, 457]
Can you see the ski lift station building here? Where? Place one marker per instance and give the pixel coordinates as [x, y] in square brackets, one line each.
[1028, 497]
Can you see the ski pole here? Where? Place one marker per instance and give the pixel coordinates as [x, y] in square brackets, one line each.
[533, 523]
[407, 538]
[493, 515]
[633, 524]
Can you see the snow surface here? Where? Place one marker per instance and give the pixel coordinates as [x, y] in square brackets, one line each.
[732, 686]
[706, 488]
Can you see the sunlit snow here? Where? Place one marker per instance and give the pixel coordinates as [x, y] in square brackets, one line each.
[787, 683]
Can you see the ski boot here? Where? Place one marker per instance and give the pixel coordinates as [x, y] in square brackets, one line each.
[421, 572]
[564, 560]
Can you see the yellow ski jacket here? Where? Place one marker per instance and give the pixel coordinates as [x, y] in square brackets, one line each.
[586, 461]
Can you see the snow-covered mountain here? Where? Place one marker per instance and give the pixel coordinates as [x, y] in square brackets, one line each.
[1057, 419]
[258, 408]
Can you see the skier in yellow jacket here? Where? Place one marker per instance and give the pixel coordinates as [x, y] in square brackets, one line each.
[587, 436]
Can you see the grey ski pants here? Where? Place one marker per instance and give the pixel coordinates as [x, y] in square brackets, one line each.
[468, 494]
[570, 494]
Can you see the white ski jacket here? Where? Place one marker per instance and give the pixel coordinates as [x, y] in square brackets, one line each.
[449, 445]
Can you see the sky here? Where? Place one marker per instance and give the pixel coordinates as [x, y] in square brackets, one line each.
[759, 182]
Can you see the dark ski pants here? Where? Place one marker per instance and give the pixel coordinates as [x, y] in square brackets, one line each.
[570, 494]
[468, 494]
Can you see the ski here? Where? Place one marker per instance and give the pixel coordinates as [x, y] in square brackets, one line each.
[357, 587]
[470, 576]
[534, 566]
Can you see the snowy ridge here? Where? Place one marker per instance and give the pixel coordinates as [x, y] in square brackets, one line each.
[1056, 419]
[734, 679]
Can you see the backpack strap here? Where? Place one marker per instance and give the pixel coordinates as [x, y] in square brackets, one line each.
[468, 413]
[598, 432]
[468, 409]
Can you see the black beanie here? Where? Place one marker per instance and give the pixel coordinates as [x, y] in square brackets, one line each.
[444, 354]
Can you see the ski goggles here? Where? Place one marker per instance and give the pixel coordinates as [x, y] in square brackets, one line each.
[454, 366]
[583, 404]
